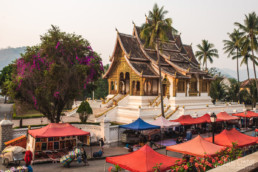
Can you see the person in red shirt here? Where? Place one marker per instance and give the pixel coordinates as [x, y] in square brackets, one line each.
[28, 157]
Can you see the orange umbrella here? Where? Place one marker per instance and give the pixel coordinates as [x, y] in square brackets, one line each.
[224, 116]
[226, 137]
[143, 160]
[196, 147]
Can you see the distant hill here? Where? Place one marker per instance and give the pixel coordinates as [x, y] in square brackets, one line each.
[233, 73]
[8, 55]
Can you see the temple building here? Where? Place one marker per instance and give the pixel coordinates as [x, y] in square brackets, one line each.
[134, 68]
[133, 80]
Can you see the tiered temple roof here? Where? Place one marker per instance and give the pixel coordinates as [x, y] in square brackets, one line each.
[177, 59]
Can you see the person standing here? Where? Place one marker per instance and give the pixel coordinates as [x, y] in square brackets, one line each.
[28, 157]
[101, 144]
[84, 157]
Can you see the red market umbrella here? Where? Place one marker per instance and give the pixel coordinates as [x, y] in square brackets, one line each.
[187, 120]
[226, 137]
[143, 160]
[196, 147]
[57, 130]
[248, 114]
[224, 116]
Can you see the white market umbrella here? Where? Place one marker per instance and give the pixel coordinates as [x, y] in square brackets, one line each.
[164, 123]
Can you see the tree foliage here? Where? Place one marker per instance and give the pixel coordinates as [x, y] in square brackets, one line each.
[55, 72]
[206, 52]
[84, 111]
[250, 30]
[5, 79]
[155, 32]
[217, 91]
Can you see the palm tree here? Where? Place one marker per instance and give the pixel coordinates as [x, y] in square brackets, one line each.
[154, 33]
[207, 52]
[233, 44]
[246, 57]
[250, 29]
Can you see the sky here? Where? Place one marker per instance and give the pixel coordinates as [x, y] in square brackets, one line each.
[23, 21]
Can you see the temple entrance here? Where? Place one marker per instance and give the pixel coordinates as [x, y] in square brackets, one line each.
[193, 91]
[122, 84]
[165, 86]
[127, 82]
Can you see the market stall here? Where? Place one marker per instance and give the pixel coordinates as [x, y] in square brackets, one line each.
[226, 137]
[224, 116]
[54, 140]
[137, 126]
[196, 147]
[164, 123]
[143, 160]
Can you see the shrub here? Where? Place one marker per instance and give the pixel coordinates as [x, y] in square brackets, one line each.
[84, 111]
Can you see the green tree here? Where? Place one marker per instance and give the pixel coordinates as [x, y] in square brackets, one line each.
[232, 91]
[246, 57]
[250, 29]
[206, 52]
[249, 95]
[55, 72]
[233, 44]
[5, 78]
[84, 111]
[154, 33]
[217, 91]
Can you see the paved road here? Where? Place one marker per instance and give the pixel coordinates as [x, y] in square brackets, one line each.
[5, 109]
[95, 165]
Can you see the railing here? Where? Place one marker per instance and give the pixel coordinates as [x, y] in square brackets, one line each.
[169, 115]
[101, 114]
[160, 101]
[105, 102]
[164, 112]
[151, 104]
[122, 97]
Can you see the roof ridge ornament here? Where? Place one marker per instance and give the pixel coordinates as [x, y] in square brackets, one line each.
[133, 22]
[175, 73]
[116, 30]
[146, 19]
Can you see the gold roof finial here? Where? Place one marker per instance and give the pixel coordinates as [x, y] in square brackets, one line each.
[141, 72]
[133, 22]
[146, 18]
[188, 69]
[175, 72]
[191, 44]
[116, 29]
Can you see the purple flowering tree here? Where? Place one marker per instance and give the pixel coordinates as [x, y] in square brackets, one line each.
[56, 71]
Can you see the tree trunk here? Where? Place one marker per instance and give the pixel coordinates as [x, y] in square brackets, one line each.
[160, 81]
[237, 67]
[5, 99]
[247, 70]
[206, 65]
[254, 70]
[252, 43]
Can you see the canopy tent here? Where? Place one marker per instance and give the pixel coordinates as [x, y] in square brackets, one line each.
[143, 160]
[256, 130]
[57, 130]
[164, 123]
[55, 136]
[248, 114]
[196, 147]
[205, 118]
[187, 120]
[226, 137]
[139, 124]
[224, 116]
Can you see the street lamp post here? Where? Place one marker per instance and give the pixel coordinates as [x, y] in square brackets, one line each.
[213, 118]
[245, 117]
